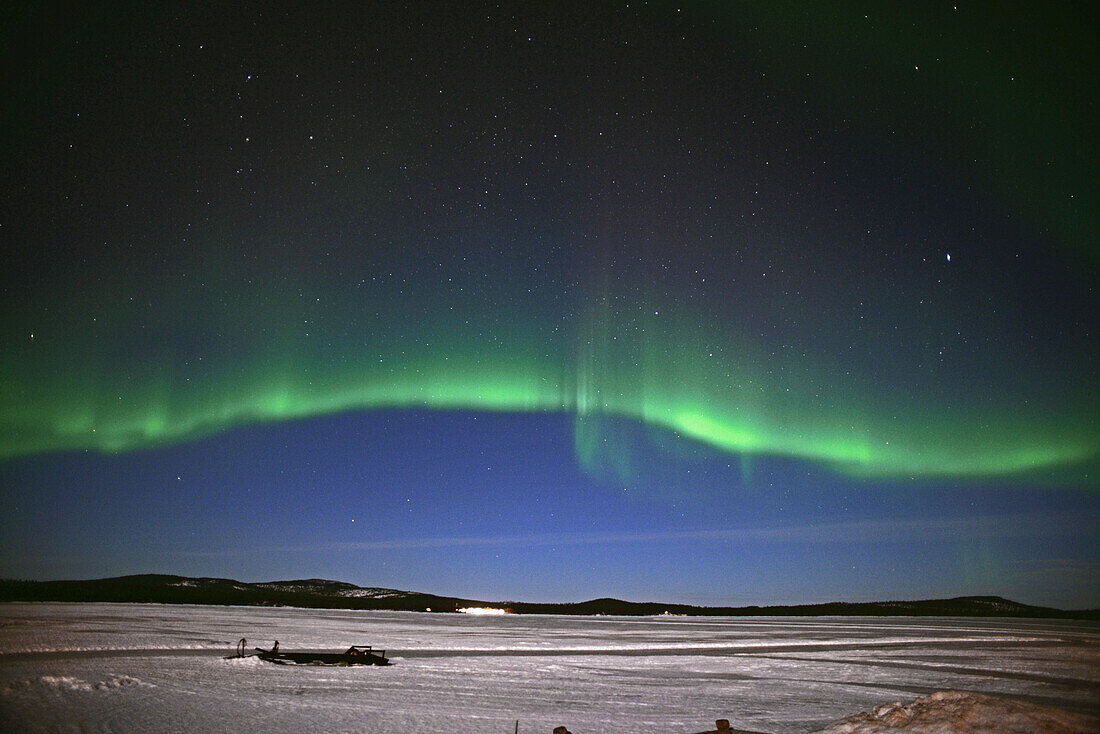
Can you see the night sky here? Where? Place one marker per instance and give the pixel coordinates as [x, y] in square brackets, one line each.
[723, 303]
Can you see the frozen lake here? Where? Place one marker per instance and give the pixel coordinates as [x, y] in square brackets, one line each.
[123, 667]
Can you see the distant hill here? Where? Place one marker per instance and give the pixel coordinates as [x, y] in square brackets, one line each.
[165, 589]
[325, 594]
[964, 606]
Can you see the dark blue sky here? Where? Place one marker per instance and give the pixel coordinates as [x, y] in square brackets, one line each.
[495, 506]
[756, 303]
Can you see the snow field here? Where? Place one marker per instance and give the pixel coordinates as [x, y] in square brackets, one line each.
[116, 667]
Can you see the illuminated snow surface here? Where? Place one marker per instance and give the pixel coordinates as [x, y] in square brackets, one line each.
[957, 712]
[152, 668]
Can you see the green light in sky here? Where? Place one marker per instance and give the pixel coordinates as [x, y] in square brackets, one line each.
[662, 375]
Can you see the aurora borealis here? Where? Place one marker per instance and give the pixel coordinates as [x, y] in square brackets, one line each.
[801, 267]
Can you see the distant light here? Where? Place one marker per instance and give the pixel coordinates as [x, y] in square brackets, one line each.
[949, 257]
[482, 611]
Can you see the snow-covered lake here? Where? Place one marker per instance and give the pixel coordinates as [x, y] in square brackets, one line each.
[153, 668]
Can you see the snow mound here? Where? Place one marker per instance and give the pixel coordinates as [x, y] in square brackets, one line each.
[956, 712]
[65, 683]
[249, 661]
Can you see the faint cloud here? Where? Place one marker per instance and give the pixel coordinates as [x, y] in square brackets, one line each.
[982, 527]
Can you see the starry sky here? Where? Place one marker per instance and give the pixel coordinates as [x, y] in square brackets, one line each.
[721, 303]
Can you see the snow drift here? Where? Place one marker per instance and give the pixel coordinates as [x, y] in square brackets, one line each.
[956, 712]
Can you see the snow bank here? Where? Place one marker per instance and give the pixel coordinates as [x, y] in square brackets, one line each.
[955, 712]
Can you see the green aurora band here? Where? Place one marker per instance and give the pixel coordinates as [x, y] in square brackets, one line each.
[663, 373]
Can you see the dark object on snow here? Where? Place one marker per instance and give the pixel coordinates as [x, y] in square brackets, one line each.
[560, 730]
[354, 655]
[722, 726]
[240, 651]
